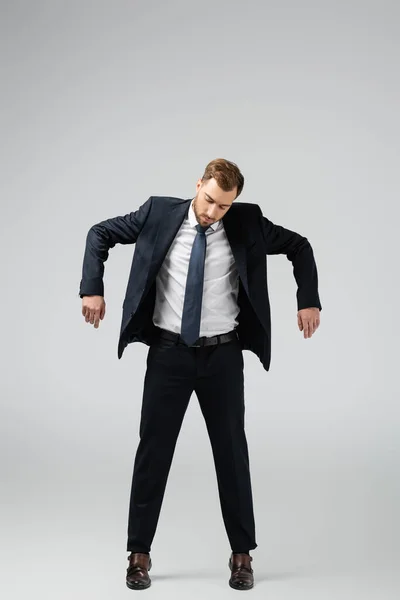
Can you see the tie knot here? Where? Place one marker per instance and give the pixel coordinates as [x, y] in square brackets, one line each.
[201, 229]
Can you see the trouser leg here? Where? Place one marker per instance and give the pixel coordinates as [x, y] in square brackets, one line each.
[168, 385]
[220, 390]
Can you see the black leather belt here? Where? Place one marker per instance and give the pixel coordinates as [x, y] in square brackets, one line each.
[203, 341]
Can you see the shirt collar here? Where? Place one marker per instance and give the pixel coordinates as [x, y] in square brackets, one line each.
[193, 221]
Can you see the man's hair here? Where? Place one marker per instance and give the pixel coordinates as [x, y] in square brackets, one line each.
[226, 174]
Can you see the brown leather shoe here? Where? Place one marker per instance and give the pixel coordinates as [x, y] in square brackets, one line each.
[137, 577]
[242, 573]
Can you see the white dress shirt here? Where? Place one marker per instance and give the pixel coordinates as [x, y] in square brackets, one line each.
[221, 281]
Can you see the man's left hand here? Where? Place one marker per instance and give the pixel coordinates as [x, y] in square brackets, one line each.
[308, 320]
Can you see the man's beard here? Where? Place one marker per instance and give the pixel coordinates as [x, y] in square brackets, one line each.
[196, 212]
[195, 209]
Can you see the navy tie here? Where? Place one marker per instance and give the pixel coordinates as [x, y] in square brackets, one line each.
[191, 315]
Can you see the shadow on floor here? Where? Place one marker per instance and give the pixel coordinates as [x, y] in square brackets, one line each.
[214, 574]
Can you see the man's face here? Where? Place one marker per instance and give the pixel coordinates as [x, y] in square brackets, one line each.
[211, 202]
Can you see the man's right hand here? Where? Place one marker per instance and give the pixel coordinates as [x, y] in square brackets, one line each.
[93, 309]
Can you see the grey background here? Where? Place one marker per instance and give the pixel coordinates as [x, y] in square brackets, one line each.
[106, 103]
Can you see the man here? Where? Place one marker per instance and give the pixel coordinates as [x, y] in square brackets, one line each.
[197, 296]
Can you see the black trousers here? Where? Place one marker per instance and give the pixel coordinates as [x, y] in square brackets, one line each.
[215, 374]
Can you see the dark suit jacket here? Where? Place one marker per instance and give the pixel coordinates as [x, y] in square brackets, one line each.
[153, 228]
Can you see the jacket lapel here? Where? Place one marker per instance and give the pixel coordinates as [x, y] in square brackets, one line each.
[170, 221]
[233, 230]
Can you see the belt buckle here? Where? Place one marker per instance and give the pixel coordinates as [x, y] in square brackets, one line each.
[200, 342]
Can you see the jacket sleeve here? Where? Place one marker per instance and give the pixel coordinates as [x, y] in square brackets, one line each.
[103, 236]
[278, 240]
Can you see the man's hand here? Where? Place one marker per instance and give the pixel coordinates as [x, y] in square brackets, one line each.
[308, 320]
[93, 309]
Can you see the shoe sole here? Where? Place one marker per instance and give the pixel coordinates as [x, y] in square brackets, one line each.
[131, 586]
[242, 589]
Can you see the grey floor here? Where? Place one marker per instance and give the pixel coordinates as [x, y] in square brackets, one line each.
[320, 535]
